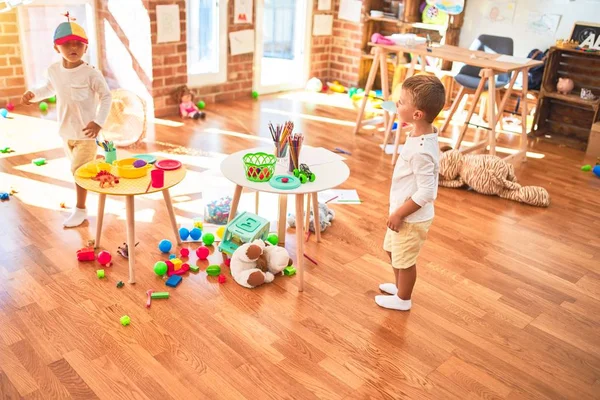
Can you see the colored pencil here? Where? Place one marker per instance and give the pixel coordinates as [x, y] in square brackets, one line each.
[331, 199]
[311, 259]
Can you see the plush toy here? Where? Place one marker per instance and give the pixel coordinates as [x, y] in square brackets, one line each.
[489, 175]
[245, 263]
[277, 258]
[326, 215]
[187, 108]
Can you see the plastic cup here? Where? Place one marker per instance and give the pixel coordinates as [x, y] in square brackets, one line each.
[110, 156]
[158, 178]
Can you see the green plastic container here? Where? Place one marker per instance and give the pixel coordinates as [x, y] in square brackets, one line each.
[259, 167]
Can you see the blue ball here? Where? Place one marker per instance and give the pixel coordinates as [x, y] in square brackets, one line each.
[172, 256]
[195, 234]
[596, 170]
[4, 196]
[184, 233]
[4, 112]
[165, 246]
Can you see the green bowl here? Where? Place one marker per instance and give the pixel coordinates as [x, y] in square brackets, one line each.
[259, 167]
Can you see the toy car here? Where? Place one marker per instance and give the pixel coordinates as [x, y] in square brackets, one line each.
[304, 174]
[86, 254]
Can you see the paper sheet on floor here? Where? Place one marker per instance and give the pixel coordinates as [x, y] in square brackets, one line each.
[339, 196]
[319, 156]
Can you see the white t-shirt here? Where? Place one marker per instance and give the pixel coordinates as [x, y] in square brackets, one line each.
[78, 92]
[416, 176]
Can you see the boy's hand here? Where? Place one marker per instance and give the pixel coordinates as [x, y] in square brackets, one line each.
[395, 222]
[27, 97]
[92, 130]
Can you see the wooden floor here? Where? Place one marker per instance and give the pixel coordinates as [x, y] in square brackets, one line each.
[507, 303]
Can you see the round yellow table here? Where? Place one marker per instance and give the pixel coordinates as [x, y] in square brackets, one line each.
[131, 188]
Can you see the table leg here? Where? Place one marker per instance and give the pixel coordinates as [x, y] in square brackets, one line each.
[492, 112]
[388, 130]
[100, 220]
[385, 90]
[234, 203]
[411, 70]
[307, 216]
[129, 202]
[508, 91]
[471, 110]
[171, 212]
[300, 241]
[282, 221]
[256, 203]
[524, 113]
[370, 80]
[317, 218]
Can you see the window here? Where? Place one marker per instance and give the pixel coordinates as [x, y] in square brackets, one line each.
[279, 29]
[206, 42]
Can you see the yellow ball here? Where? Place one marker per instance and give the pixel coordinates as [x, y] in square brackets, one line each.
[221, 232]
[198, 224]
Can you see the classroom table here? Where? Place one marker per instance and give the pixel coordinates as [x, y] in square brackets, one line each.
[328, 176]
[491, 67]
[131, 188]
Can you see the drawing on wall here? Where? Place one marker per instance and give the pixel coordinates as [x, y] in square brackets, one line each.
[243, 11]
[542, 24]
[452, 7]
[500, 11]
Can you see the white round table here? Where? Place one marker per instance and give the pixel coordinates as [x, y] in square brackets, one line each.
[328, 176]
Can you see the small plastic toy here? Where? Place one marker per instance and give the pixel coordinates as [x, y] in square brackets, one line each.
[596, 170]
[254, 94]
[289, 271]
[304, 174]
[4, 196]
[202, 252]
[586, 168]
[222, 278]
[43, 106]
[91, 243]
[217, 211]
[220, 232]
[198, 223]
[195, 234]
[160, 268]
[125, 320]
[39, 161]
[172, 256]
[273, 239]
[106, 178]
[104, 258]
[180, 271]
[120, 284]
[227, 262]
[194, 268]
[149, 297]
[160, 295]
[139, 163]
[100, 273]
[6, 150]
[173, 281]
[10, 106]
[184, 233]
[201, 105]
[176, 263]
[52, 100]
[86, 254]
[184, 252]
[124, 250]
[165, 245]
[208, 239]
[3, 112]
[244, 228]
[213, 270]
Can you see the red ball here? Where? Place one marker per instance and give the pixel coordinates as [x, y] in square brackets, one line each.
[104, 257]
[228, 262]
[184, 252]
[10, 107]
[222, 278]
[202, 252]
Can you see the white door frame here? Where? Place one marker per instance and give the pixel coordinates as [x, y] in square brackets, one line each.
[258, 51]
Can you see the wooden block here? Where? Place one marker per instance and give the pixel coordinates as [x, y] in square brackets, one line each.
[173, 281]
[176, 263]
[194, 268]
[160, 295]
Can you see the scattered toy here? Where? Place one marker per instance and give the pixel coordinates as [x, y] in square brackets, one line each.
[173, 281]
[6, 150]
[124, 250]
[3, 112]
[202, 252]
[120, 284]
[106, 178]
[100, 273]
[149, 297]
[86, 254]
[213, 270]
[586, 168]
[208, 239]
[43, 106]
[91, 243]
[104, 258]
[289, 271]
[273, 239]
[10, 106]
[63, 205]
[184, 252]
[222, 278]
[194, 268]
[4, 196]
[184, 233]
[160, 268]
[39, 161]
[172, 256]
[160, 295]
[195, 233]
[125, 320]
[165, 246]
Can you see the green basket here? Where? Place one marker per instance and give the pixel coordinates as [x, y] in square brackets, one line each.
[259, 166]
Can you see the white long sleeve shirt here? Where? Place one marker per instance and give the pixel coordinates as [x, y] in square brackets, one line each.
[78, 92]
[416, 176]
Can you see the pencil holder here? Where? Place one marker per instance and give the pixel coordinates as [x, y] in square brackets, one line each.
[110, 156]
[282, 156]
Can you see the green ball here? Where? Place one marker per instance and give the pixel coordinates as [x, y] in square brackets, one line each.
[43, 106]
[201, 105]
[273, 239]
[254, 94]
[52, 99]
[208, 239]
[160, 268]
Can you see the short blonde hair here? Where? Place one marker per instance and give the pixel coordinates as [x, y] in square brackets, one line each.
[427, 93]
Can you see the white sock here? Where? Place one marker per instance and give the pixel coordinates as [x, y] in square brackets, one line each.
[393, 303]
[76, 218]
[389, 288]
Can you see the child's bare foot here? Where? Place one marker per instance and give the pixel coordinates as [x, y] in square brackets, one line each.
[393, 303]
[389, 288]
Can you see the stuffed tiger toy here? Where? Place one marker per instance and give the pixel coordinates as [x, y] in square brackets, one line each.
[489, 175]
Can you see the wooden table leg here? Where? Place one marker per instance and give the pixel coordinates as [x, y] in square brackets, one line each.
[234, 203]
[388, 130]
[171, 212]
[453, 108]
[282, 221]
[300, 241]
[129, 203]
[492, 112]
[256, 202]
[411, 70]
[307, 215]
[100, 220]
[508, 92]
[471, 110]
[370, 80]
[524, 113]
[317, 216]
[385, 90]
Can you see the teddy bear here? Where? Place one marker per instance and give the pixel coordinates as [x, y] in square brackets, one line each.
[249, 265]
[276, 258]
[326, 215]
[488, 175]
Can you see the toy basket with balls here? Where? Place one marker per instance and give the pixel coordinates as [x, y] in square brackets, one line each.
[259, 167]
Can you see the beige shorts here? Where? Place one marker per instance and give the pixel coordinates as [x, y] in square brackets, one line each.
[406, 244]
[80, 152]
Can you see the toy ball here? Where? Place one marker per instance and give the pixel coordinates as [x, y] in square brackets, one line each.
[125, 320]
[201, 105]
[10, 107]
[228, 262]
[3, 112]
[104, 257]
[202, 252]
[208, 239]
[596, 170]
[139, 163]
[165, 246]
[314, 85]
[273, 239]
[198, 224]
[172, 256]
[254, 94]
[43, 106]
[184, 233]
[221, 232]
[184, 252]
[52, 99]
[195, 234]
[160, 268]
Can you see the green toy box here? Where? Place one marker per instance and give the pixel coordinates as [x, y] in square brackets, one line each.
[245, 227]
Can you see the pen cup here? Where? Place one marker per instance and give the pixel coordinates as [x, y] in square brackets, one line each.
[110, 156]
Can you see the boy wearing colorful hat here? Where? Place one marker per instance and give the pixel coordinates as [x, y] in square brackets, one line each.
[79, 89]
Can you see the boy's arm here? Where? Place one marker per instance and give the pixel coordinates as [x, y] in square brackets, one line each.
[423, 167]
[43, 92]
[100, 87]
